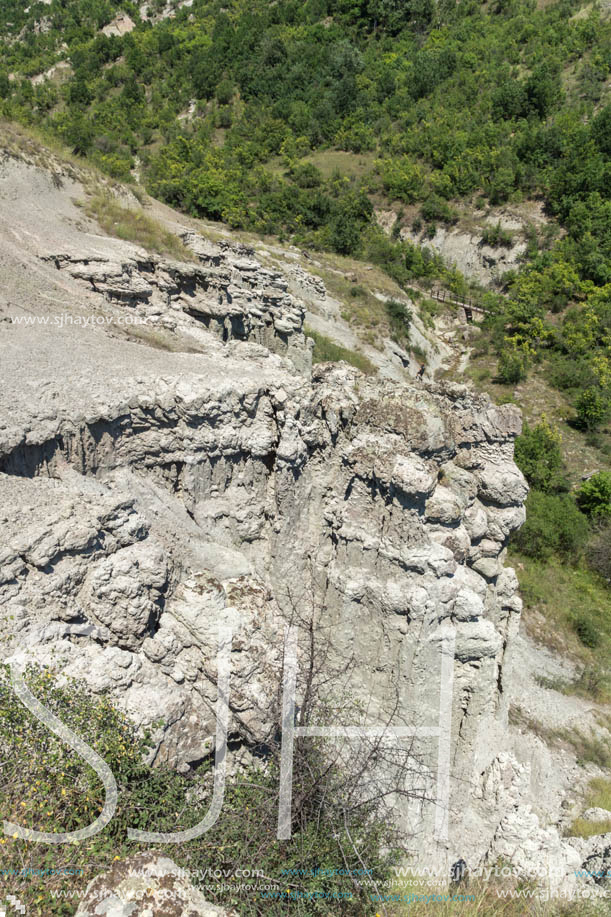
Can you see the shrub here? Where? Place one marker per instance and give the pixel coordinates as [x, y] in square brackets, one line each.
[553, 525]
[116, 165]
[401, 179]
[225, 116]
[345, 234]
[592, 408]
[306, 175]
[497, 237]
[594, 496]
[569, 372]
[224, 92]
[592, 682]
[587, 632]
[434, 209]
[538, 456]
[513, 367]
[46, 786]
[5, 85]
[400, 318]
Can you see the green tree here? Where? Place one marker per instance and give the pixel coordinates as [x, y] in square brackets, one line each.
[601, 129]
[224, 92]
[543, 90]
[79, 134]
[539, 457]
[79, 92]
[509, 100]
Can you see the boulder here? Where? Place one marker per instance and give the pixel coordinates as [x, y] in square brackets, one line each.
[145, 885]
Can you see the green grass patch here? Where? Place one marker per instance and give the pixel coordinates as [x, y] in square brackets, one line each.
[581, 827]
[599, 794]
[355, 165]
[566, 607]
[364, 311]
[327, 351]
[135, 226]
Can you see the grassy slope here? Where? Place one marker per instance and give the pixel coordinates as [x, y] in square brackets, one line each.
[536, 397]
[555, 595]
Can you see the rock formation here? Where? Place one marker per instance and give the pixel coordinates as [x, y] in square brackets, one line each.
[157, 486]
[144, 885]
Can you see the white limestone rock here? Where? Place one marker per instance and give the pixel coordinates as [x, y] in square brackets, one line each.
[144, 885]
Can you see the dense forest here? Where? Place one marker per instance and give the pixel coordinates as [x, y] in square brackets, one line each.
[229, 109]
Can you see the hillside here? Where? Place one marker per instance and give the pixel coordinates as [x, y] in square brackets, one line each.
[153, 465]
[475, 132]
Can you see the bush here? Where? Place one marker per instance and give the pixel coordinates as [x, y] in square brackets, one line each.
[538, 456]
[46, 786]
[400, 318]
[569, 372]
[306, 175]
[435, 209]
[513, 367]
[224, 92]
[114, 164]
[225, 116]
[497, 237]
[553, 525]
[587, 632]
[592, 408]
[401, 179]
[594, 496]
[5, 85]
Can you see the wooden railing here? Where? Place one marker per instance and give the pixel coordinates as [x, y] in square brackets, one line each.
[467, 305]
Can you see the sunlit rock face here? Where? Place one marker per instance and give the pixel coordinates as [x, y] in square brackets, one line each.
[160, 487]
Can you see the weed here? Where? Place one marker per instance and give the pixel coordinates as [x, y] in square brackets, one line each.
[497, 237]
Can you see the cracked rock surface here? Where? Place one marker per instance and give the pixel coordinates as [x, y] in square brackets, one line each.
[143, 885]
[157, 488]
